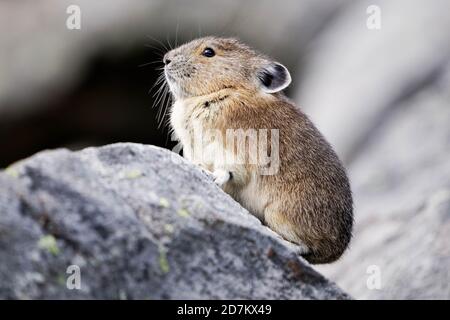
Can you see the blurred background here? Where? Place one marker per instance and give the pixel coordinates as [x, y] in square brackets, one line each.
[380, 96]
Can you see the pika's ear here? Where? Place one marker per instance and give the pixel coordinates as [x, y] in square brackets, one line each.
[273, 77]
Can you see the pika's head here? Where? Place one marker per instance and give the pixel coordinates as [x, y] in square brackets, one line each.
[210, 64]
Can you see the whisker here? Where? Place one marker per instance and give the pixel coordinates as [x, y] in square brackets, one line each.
[168, 42]
[150, 46]
[199, 30]
[166, 107]
[176, 33]
[158, 104]
[159, 41]
[157, 82]
[148, 63]
[158, 95]
[163, 108]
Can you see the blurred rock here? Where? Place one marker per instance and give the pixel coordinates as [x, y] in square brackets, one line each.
[401, 184]
[41, 57]
[141, 223]
[353, 76]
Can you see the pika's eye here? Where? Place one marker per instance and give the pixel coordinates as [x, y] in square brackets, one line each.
[208, 52]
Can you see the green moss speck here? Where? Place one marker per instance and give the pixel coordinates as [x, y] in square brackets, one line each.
[183, 213]
[163, 263]
[49, 243]
[12, 172]
[168, 228]
[133, 174]
[163, 202]
[61, 280]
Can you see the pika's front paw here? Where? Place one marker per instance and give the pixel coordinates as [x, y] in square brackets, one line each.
[221, 177]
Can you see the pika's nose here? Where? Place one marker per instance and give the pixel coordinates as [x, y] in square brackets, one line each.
[166, 60]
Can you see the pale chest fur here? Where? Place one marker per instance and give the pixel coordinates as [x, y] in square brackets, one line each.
[179, 120]
[188, 122]
[199, 144]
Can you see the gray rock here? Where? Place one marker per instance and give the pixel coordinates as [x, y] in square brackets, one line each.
[353, 76]
[140, 222]
[401, 183]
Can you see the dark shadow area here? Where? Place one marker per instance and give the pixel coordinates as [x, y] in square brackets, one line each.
[113, 103]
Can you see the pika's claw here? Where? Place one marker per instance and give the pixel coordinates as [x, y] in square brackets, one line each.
[207, 172]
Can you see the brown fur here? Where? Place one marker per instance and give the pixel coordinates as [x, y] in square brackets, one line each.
[308, 201]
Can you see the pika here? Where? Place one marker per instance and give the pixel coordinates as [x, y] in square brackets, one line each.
[222, 84]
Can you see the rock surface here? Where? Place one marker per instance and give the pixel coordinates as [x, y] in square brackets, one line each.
[139, 222]
[353, 76]
[401, 185]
